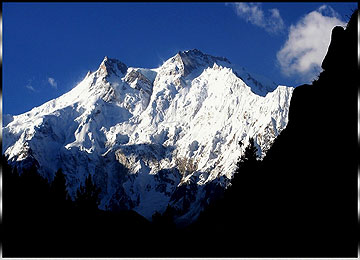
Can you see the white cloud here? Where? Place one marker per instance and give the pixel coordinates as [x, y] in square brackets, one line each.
[52, 82]
[307, 43]
[253, 13]
[328, 11]
[28, 86]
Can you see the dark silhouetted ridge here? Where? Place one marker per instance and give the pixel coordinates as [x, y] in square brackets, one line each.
[301, 200]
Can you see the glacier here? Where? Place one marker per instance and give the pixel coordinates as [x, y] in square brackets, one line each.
[152, 138]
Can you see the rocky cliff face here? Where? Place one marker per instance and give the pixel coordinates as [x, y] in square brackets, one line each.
[152, 137]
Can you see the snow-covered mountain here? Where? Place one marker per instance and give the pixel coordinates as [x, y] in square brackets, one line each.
[152, 137]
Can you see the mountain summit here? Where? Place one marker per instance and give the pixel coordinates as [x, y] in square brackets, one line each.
[152, 138]
[112, 66]
[195, 59]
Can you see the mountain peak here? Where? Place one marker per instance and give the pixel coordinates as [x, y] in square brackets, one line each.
[194, 60]
[192, 52]
[112, 66]
[195, 53]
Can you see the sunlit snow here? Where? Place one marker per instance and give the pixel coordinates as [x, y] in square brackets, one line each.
[169, 126]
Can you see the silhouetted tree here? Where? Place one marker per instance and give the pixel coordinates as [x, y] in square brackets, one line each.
[59, 193]
[87, 196]
[250, 154]
[234, 208]
[247, 164]
[34, 190]
[11, 189]
[165, 221]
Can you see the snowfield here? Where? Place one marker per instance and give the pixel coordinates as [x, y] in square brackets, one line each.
[152, 137]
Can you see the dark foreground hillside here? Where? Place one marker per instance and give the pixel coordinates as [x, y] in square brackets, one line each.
[300, 201]
[39, 220]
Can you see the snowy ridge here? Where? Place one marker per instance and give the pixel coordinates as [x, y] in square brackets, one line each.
[175, 129]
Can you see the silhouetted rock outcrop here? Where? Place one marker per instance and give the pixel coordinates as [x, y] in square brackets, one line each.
[313, 163]
[301, 200]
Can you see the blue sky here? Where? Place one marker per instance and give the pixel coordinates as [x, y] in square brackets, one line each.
[49, 47]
